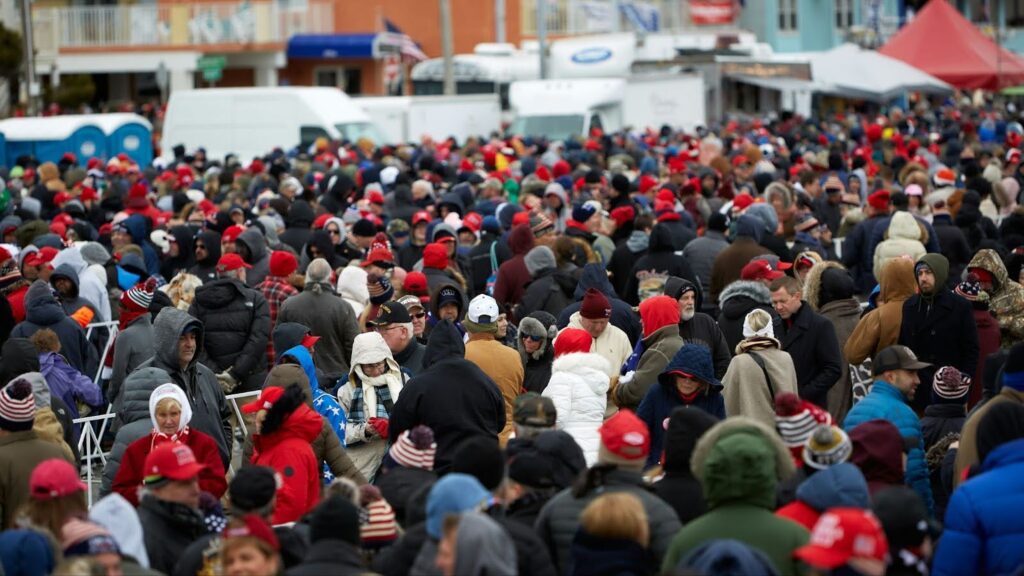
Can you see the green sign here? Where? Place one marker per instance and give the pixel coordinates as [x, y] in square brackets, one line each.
[212, 67]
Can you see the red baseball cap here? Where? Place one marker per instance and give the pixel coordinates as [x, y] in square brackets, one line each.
[231, 233]
[842, 534]
[421, 216]
[309, 340]
[740, 160]
[625, 436]
[231, 262]
[266, 400]
[44, 255]
[253, 527]
[760, 270]
[375, 197]
[54, 478]
[742, 201]
[473, 221]
[171, 461]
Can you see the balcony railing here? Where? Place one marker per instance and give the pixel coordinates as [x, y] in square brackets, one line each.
[573, 17]
[175, 25]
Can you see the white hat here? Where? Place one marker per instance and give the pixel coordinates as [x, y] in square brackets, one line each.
[483, 310]
[388, 175]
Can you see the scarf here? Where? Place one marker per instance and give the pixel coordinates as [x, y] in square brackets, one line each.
[374, 395]
[638, 241]
[128, 316]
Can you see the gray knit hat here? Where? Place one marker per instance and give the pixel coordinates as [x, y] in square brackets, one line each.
[538, 259]
[94, 253]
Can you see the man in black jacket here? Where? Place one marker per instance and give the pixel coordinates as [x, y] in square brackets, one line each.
[697, 327]
[652, 270]
[952, 240]
[937, 324]
[451, 395]
[810, 340]
[237, 322]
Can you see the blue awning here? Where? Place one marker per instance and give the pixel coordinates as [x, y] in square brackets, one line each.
[332, 46]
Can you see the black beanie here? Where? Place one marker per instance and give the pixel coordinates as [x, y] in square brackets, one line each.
[620, 184]
[481, 458]
[336, 518]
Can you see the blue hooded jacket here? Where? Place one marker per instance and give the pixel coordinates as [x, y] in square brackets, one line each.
[324, 404]
[840, 485]
[136, 226]
[886, 402]
[662, 397]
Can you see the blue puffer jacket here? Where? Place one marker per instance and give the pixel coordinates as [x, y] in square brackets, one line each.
[663, 397]
[886, 402]
[984, 527]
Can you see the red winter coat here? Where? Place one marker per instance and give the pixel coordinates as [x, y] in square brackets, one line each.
[130, 473]
[288, 451]
[989, 341]
[17, 301]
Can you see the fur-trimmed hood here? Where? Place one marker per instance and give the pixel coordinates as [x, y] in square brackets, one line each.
[731, 446]
[812, 284]
[534, 325]
[756, 291]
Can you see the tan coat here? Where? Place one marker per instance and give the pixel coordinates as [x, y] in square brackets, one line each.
[744, 388]
[967, 453]
[48, 428]
[20, 453]
[501, 364]
[880, 328]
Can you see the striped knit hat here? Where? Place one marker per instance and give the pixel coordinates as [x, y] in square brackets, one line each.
[415, 448]
[827, 445]
[950, 384]
[17, 406]
[795, 420]
[140, 296]
[377, 524]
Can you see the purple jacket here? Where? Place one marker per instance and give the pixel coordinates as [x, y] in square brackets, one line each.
[69, 384]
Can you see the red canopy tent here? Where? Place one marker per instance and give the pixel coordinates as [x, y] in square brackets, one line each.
[946, 45]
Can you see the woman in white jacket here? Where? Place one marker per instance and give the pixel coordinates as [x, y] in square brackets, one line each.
[579, 389]
[374, 383]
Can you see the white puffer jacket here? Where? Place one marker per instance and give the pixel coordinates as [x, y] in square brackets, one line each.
[579, 389]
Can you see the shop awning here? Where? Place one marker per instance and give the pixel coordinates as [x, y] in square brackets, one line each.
[336, 45]
[780, 83]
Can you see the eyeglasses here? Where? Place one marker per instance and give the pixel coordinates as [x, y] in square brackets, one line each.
[374, 369]
[387, 327]
[420, 316]
[532, 338]
[333, 232]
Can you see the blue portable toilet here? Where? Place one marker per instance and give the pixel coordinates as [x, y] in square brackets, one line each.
[49, 138]
[129, 134]
[3, 151]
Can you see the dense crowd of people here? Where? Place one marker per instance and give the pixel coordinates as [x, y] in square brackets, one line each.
[776, 347]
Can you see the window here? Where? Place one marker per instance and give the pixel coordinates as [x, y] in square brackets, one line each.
[346, 79]
[309, 134]
[844, 14]
[787, 15]
[1014, 13]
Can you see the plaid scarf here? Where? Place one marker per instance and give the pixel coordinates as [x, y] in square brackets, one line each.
[357, 412]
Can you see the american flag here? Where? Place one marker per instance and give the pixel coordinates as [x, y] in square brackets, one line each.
[408, 48]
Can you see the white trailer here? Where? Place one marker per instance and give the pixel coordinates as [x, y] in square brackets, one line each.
[404, 119]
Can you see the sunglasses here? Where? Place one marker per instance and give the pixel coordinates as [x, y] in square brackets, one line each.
[420, 315]
[532, 338]
[334, 232]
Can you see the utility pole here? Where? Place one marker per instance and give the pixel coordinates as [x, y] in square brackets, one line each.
[542, 36]
[446, 48]
[31, 89]
[499, 21]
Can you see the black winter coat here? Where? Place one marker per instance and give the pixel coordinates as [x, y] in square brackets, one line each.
[939, 420]
[398, 485]
[942, 333]
[954, 247]
[43, 311]
[623, 316]
[681, 233]
[168, 529]
[480, 260]
[859, 253]
[811, 341]
[330, 557]
[206, 269]
[660, 261]
[702, 329]
[621, 264]
[237, 323]
[551, 291]
[299, 220]
[451, 395]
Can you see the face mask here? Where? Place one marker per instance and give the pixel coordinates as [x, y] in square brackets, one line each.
[126, 279]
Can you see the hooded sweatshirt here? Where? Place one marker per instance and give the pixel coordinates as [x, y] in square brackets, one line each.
[298, 222]
[43, 311]
[661, 341]
[137, 229]
[512, 274]
[652, 270]
[483, 547]
[79, 309]
[880, 328]
[258, 258]
[1006, 297]
[206, 269]
[90, 288]
[838, 486]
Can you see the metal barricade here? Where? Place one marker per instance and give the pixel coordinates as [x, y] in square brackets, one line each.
[112, 331]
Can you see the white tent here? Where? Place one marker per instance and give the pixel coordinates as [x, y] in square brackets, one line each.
[853, 72]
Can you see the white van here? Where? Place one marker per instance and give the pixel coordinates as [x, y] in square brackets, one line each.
[250, 122]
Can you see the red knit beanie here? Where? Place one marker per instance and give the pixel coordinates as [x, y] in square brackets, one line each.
[572, 340]
[595, 305]
[657, 312]
[282, 263]
[435, 255]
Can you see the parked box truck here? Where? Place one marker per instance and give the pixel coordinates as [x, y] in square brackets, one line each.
[250, 122]
[409, 118]
[560, 109]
